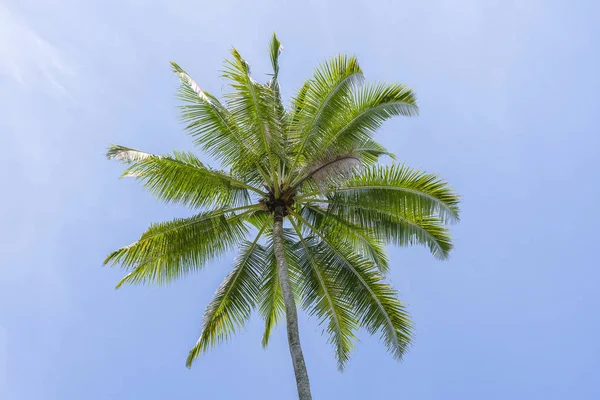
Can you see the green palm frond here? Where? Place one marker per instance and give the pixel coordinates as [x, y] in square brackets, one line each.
[324, 96]
[399, 188]
[183, 179]
[275, 49]
[324, 297]
[213, 127]
[375, 303]
[366, 240]
[234, 300]
[170, 250]
[364, 113]
[252, 106]
[298, 103]
[401, 229]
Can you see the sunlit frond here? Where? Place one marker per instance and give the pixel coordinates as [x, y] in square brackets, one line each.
[319, 101]
[213, 127]
[234, 300]
[324, 297]
[170, 250]
[402, 189]
[401, 229]
[366, 240]
[363, 114]
[375, 303]
[181, 178]
[252, 106]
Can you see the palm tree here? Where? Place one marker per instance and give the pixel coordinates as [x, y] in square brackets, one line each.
[301, 200]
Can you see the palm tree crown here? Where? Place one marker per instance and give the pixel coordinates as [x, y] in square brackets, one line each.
[303, 181]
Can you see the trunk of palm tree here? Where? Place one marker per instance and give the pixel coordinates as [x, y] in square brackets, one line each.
[291, 315]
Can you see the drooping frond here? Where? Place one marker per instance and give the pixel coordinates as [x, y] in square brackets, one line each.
[398, 204]
[399, 228]
[319, 101]
[169, 250]
[402, 189]
[365, 239]
[324, 297]
[213, 127]
[234, 300]
[375, 303]
[183, 179]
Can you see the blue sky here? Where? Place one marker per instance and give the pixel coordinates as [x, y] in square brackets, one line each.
[509, 115]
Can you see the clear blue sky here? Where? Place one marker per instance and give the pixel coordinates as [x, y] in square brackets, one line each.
[509, 115]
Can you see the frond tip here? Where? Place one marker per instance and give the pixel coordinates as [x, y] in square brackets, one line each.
[234, 300]
[125, 154]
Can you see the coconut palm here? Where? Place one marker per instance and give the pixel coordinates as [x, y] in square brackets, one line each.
[301, 200]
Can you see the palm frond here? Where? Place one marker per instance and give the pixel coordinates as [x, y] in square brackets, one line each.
[275, 49]
[401, 229]
[324, 297]
[364, 113]
[323, 97]
[213, 127]
[366, 240]
[252, 106]
[402, 189]
[375, 303]
[335, 166]
[170, 250]
[183, 179]
[234, 300]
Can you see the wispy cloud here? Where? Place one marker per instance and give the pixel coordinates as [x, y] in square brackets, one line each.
[28, 58]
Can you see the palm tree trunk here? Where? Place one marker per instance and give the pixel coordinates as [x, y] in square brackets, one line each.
[291, 315]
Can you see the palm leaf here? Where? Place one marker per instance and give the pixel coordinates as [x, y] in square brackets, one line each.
[375, 303]
[252, 107]
[367, 241]
[320, 100]
[401, 229]
[364, 113]
[400, 188]
[170, 250]
[183, 179]
[234, 300]
[213, 127]
[324, 297]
